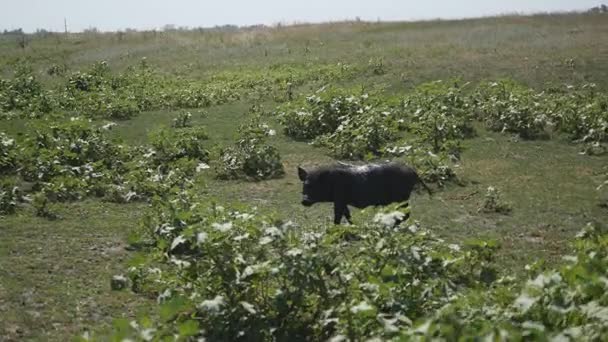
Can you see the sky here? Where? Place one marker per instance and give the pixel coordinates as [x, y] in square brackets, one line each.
[112, 15]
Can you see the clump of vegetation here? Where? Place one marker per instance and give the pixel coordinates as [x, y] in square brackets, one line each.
[24, 93]
[170, 163]
[493, 202]
[170, 145]
[377, 66]
[432, 167]
[72, 160]
[506, 106]
[57, 70]
[549, 304]
[360, 136]
[182, 120]
[243, 275]
[582, 113]
[351, 126]
[233, 273]
[9, 196]
[8, 154]
[72, 148]
[320, 113]
[439, 114]
[251, 157]
[43, 206]
[100, 93]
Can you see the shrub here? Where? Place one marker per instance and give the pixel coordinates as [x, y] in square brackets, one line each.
[582, 113]
[8, 197]
[182, 120]
[234, 274]
[22, 92]
[567, 302]
[250, 157]
[320, 113]
[438, 113]
[169, 164]
[74, 148]
[97, 77]
[351, 126]
[433, 168]
[376, 65]
[8, 154]
[509, 107]
[69, 161]
[43, 206]
[57, 70]
[493, 202]
[360, 136]
[169, 145]
[66, 188]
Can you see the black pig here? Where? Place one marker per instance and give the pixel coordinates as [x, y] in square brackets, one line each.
[358, 186]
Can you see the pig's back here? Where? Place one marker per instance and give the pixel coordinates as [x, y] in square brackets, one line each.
[382, 184]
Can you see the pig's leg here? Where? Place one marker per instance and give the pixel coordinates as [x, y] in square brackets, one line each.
[347, 214]
[407, 215]
[339, 210]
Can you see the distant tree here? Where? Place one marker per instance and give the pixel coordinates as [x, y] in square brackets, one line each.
[43, 33]
[16, 32]
[169, 27]
[599, 9]
[91, 30]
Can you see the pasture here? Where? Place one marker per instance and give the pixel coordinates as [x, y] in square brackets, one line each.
[170, 158]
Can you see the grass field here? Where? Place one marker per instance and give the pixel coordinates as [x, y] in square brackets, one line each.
[55, 274]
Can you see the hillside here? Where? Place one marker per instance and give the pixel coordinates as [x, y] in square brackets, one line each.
[119, 148]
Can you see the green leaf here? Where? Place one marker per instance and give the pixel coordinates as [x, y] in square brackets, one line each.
[172, 308]
[188, 328]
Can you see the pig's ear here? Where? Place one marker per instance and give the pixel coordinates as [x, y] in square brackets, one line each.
[302, 174]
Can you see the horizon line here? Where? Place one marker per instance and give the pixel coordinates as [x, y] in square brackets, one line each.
[295, 23]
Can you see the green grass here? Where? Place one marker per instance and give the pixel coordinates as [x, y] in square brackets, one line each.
[55, 275]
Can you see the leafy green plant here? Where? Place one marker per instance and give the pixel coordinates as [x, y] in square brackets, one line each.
[376, 65]
[172, 144]
[75, 148]
[493, 202]
[351, 126]
[506, 106]
[319, 113]
[234, 274]
[251, 157]
[8, 197]
[433, 168]
[43, 206]
[22, 92]
[582, 113]
[57, 70]
[182, 120]
[439, 114]
[360, 136]
[8, 154]
[563, 303]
